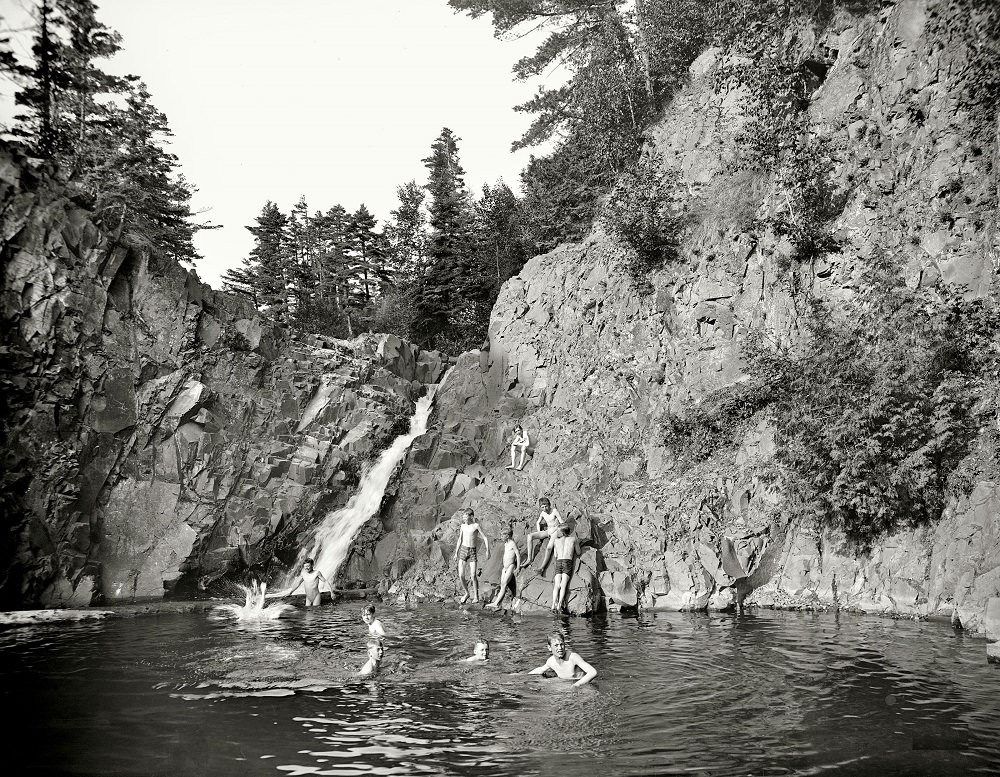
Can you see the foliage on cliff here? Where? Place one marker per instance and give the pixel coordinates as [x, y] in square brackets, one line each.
[102, 130]
[875, 412]
[622, 62]
[431, 273]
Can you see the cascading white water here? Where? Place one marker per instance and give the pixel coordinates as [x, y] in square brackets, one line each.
[255, 608]
[334, 536]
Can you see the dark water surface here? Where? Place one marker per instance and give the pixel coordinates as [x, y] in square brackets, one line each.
[770, 693]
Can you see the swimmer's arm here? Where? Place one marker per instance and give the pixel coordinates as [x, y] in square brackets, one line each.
[517, 555]
[556, 517]
[541, 669]
[589, 673]
[485, 540]
[458, 542]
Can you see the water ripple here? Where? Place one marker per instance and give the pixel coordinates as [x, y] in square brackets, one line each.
[765, 694]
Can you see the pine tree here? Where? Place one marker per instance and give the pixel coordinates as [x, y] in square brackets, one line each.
[502, 240]
[44, 81]
[135, 182]
[367, 252]
[102, 129]
[406, 234]
[267, 273]
[440, 301]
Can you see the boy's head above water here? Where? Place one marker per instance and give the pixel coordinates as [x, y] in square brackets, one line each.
[375, 649]
[557, 644]
[368, 614]
[482, 651]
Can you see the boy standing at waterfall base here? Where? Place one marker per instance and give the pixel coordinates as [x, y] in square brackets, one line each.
[466, 553]
[310, 581]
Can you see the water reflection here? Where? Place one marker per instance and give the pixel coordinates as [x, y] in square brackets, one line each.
[765, 693]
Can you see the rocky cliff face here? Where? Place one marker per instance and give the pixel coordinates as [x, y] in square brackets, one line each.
[158, 436]
[590, 366]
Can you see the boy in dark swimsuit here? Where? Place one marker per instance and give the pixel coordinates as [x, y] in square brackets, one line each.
[466, 553]
[566, 546]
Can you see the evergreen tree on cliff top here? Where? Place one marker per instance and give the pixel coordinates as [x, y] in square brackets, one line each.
[406, 234]
[101, 129]
[621, 61]
[442, 291]
[268, 271]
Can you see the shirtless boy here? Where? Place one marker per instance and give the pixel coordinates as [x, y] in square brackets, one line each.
[466, 552]
[374, 624]
[519, 444]
[548, 521]
[310, 581]
[374, 662]
[481, 652]
[511, 561]
[567, 547]
[569, 667]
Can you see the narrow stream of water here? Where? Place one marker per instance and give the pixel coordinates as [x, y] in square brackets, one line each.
[769, 693]
[332, 540]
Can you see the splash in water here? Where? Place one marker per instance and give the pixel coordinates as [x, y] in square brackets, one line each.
[255, 607]
[334, 536]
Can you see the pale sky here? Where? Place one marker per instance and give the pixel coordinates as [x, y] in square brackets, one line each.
[337, 100]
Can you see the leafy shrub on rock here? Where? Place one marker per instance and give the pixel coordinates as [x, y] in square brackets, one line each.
[719, 421]
[877, 410]
[642, 214]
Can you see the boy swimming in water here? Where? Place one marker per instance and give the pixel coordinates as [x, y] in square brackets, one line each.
[374, 662]
[374, 624]
[566, 667]
[482, 651]
[310, 580]
[466, 553]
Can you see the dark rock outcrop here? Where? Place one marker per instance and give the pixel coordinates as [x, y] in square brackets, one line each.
[159, 435]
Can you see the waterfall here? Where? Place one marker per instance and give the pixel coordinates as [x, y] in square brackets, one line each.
[334, 536]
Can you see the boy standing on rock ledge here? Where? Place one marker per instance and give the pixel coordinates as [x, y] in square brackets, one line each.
[567, 548]
[466, 551]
